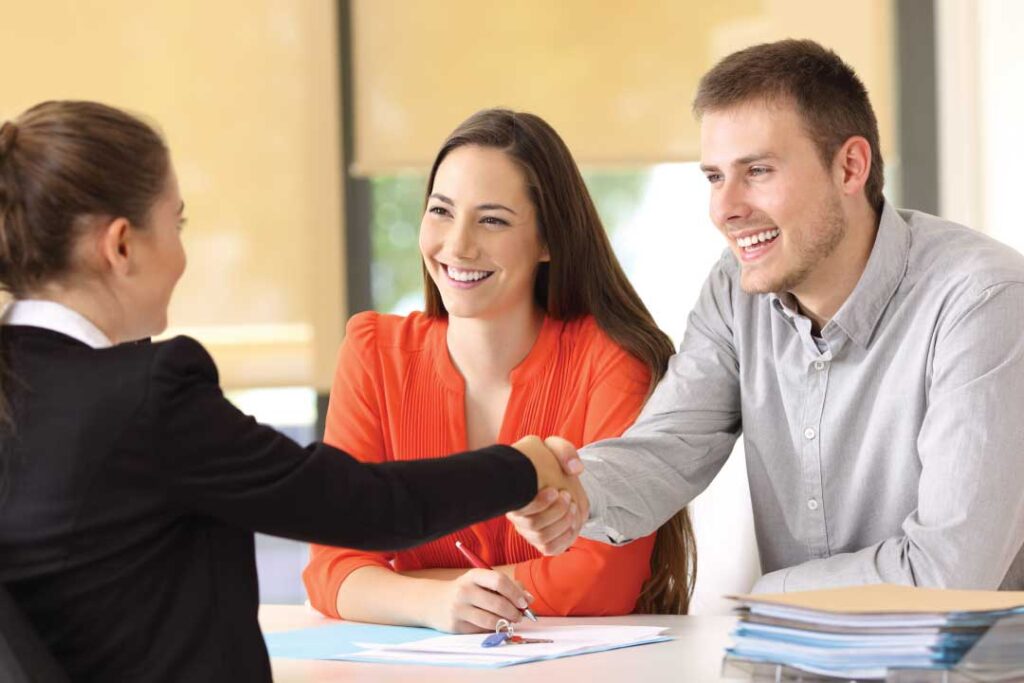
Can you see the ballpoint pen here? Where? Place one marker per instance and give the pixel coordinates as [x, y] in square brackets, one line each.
[480, 564]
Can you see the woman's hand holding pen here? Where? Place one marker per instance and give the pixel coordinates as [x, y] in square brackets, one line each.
[475, 601]
[552, 521]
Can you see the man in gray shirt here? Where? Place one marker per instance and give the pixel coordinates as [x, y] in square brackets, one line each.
[872, 358]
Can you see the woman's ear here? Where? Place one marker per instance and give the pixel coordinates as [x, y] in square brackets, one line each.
[545, 255]
[115, 246]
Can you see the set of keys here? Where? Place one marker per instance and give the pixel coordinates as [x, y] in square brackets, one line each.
[505, 634]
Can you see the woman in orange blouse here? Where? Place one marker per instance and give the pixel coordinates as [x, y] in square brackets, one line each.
[531, 327]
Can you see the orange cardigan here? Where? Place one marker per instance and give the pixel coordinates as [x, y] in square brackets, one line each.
[398, 396]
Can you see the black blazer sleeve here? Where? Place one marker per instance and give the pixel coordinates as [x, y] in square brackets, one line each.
[23, 655]
[212, 459]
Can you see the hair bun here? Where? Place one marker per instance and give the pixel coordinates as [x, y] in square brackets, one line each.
[8, 134]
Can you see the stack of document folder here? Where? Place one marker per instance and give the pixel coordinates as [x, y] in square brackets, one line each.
[862, 632]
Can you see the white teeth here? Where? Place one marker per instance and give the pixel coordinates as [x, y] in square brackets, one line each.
[467, 275]
[758, 238]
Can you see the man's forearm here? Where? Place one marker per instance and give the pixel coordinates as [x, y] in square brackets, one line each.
[894, 560]
[636, 483]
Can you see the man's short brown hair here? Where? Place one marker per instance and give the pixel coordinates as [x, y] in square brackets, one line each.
[828, 95]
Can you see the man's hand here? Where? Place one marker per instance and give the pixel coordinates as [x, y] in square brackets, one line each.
[551, 522]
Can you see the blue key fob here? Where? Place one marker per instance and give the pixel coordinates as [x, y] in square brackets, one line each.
[495, 639]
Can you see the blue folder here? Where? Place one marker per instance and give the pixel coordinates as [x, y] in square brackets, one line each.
[327, 642]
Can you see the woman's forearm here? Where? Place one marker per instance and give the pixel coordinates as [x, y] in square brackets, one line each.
[382, 596]
[454, 600]
[448, 573]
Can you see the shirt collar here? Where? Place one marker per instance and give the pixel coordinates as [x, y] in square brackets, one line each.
[51, 315]
[860, 313]
[887, 264]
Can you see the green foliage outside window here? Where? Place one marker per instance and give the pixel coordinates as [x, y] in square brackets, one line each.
[396, 209]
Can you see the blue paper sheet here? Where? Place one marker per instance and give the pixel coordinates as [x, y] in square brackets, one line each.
[326, 642]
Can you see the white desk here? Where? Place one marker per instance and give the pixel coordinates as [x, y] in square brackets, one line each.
[693, 657]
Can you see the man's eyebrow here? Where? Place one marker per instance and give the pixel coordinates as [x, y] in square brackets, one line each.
[742, 161]
[751, 158]
[442, 198]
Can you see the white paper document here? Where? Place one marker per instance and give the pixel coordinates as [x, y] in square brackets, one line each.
[467, 650]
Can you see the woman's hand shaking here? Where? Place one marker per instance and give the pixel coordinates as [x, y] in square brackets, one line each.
[551, 522]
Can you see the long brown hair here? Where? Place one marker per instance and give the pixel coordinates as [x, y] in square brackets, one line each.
[582, 278]
[61, 164]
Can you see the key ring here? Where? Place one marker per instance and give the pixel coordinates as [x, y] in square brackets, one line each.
[503, 633]
[506, 626]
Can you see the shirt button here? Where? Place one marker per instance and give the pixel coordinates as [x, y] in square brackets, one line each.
[812, 504]
[809, 433]
[819, 365]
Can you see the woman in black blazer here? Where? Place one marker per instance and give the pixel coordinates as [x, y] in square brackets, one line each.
[129, 486]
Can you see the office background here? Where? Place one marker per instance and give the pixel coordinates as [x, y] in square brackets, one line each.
[302, 130]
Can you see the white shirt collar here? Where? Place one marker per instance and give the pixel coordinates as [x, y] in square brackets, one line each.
[50, 315]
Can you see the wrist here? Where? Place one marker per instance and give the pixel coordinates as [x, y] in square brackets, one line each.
[538, 472]
[535, 451]
[434, 604]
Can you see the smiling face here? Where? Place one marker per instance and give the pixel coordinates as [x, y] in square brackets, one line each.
[479, 237]
[773, 199]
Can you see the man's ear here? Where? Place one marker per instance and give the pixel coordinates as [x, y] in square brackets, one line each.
[115, 246]
[853, 162]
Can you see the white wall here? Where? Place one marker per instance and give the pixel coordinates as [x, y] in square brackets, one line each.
[1001, 81]
[980, 59]
[667, 248]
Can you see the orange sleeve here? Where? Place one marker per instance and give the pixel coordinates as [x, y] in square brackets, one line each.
[592, 578]
[354, 425]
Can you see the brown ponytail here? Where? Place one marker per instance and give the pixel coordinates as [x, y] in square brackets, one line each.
[62, 163]
[583, 278]
[8, 136]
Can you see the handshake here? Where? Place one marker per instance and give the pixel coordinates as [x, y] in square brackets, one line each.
[551, 522]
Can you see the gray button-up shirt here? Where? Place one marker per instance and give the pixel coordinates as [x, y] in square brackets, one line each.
[890, 450]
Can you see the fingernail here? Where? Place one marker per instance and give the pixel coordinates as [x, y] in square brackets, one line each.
[573, 509]
[566, 497]
[529, 598]
[550, 495]
[523, 604]
[576, 466]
